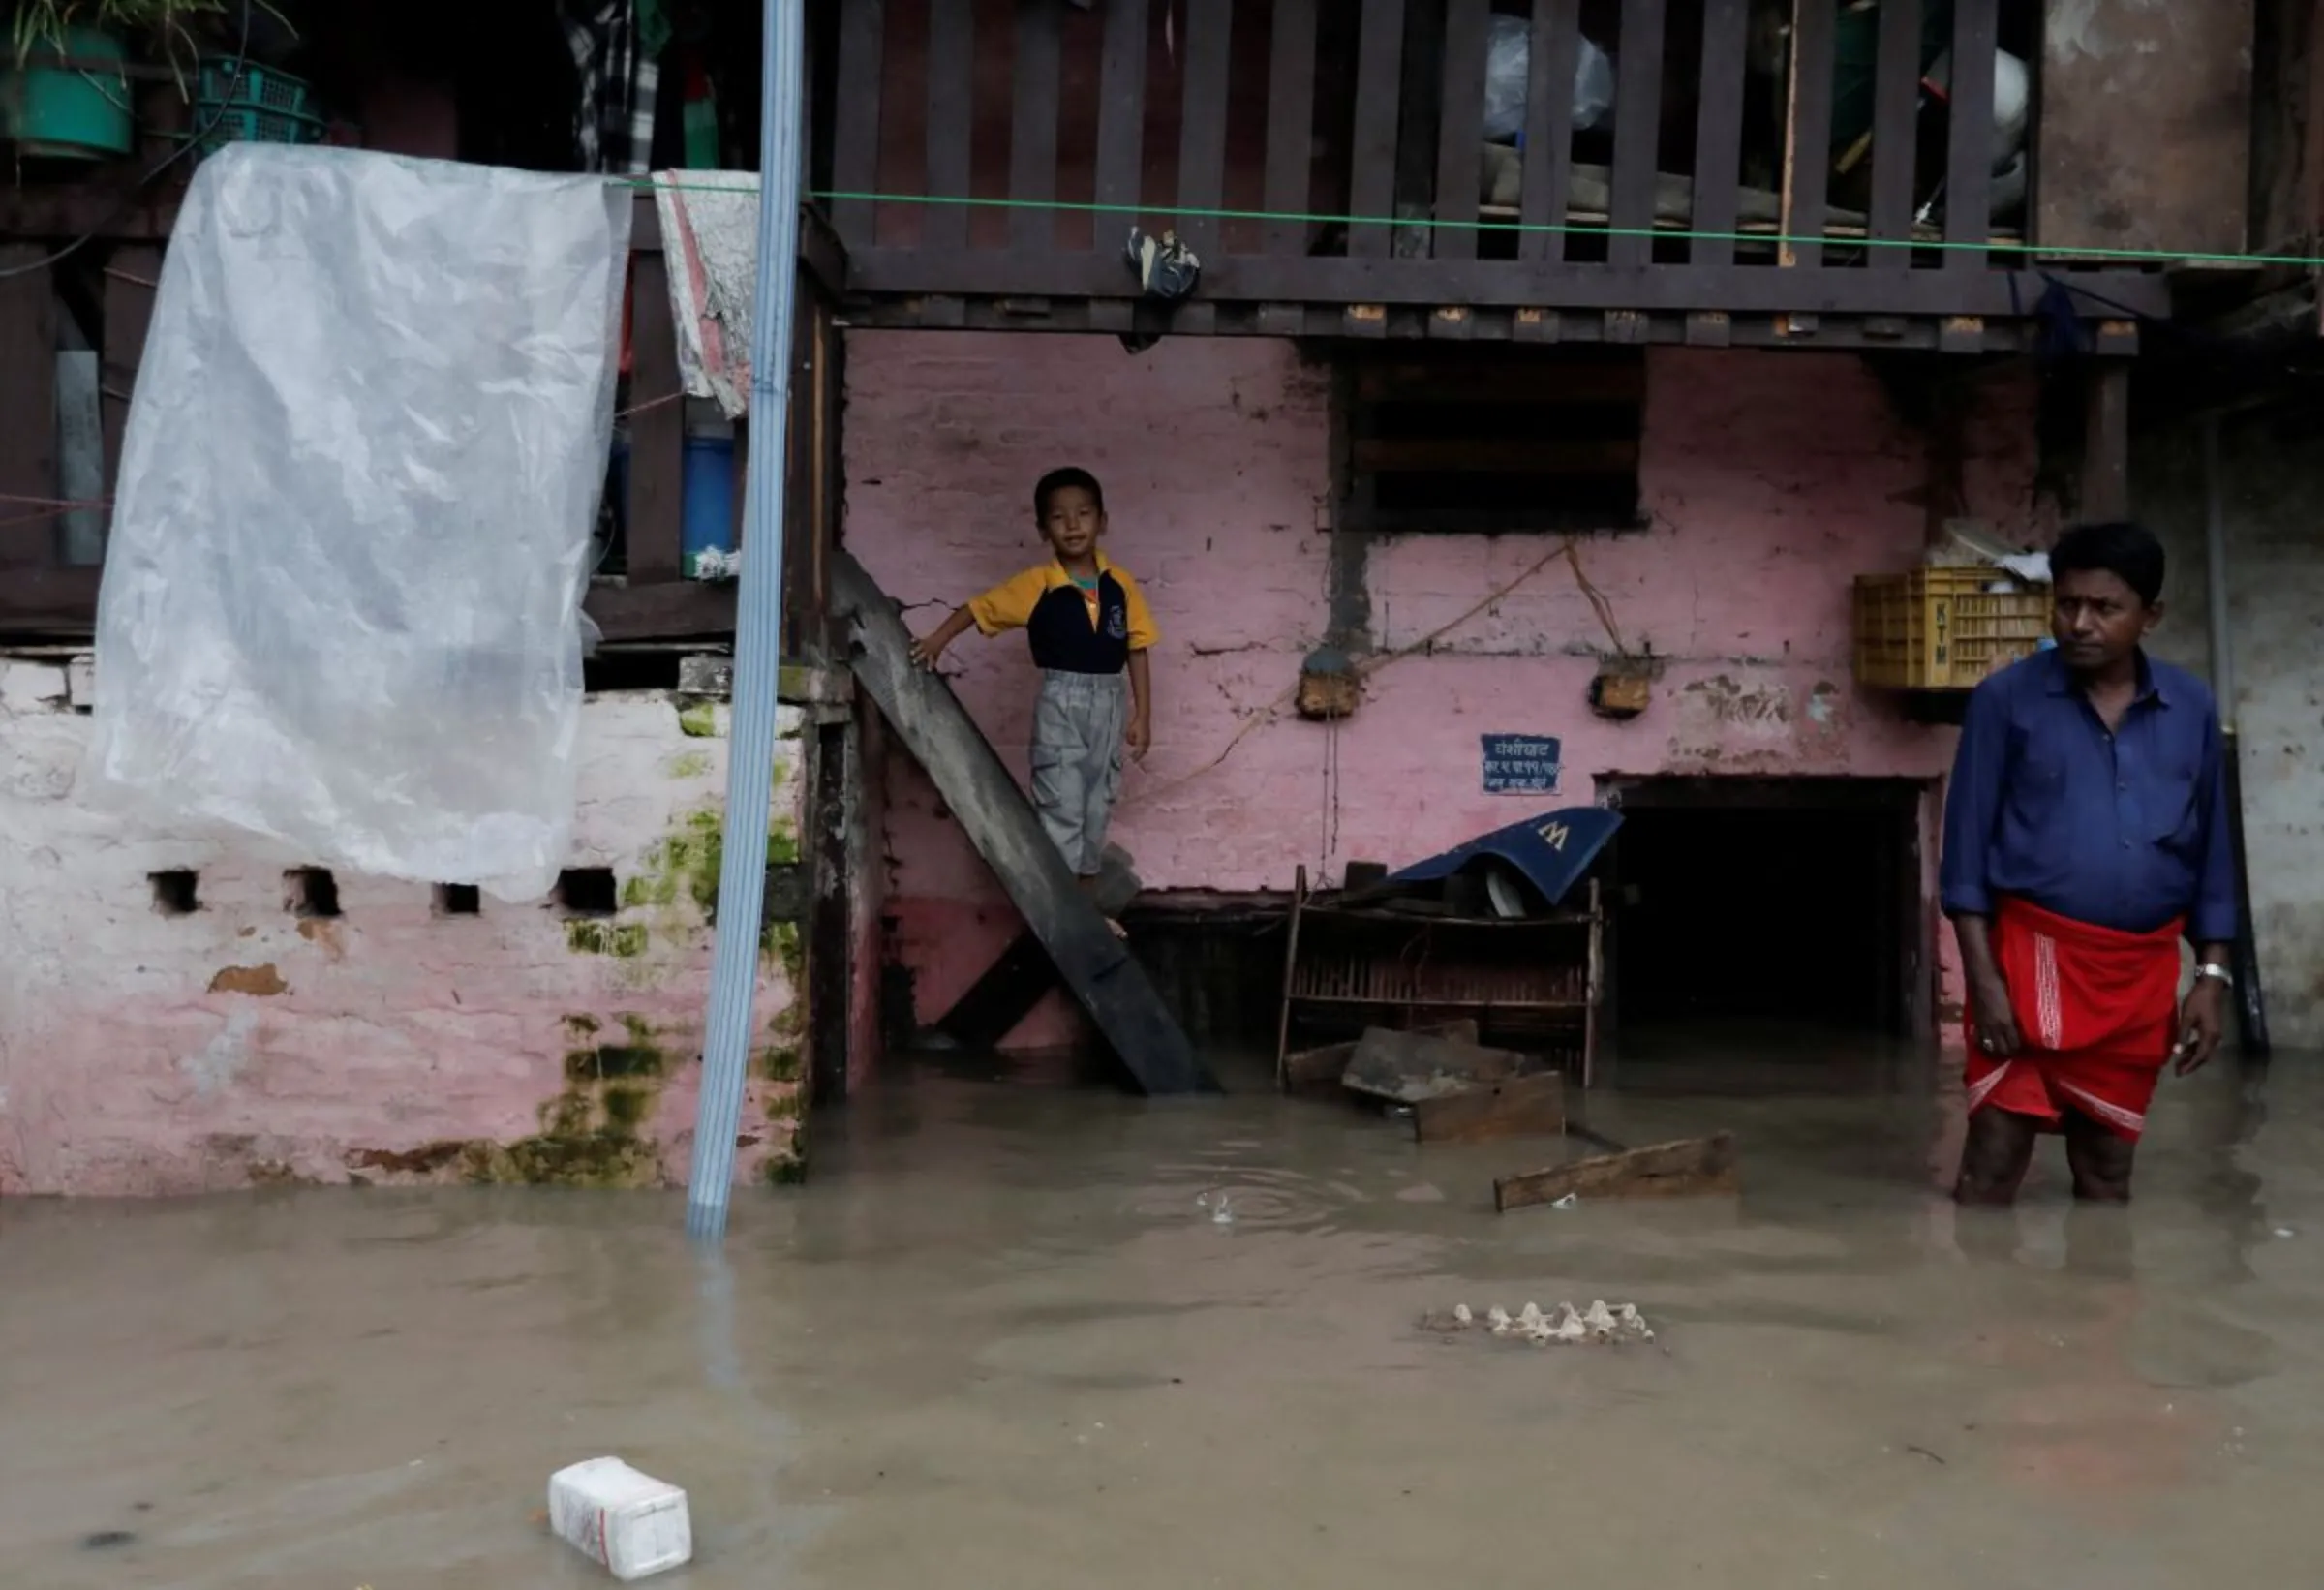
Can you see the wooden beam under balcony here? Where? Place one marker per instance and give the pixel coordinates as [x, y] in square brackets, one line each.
[1272, 279]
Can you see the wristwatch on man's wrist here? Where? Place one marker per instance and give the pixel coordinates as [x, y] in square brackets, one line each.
[2212, 969]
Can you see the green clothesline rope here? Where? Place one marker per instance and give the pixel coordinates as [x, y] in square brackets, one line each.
[2155, 256]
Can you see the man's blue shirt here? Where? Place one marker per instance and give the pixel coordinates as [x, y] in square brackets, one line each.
[2126, 830]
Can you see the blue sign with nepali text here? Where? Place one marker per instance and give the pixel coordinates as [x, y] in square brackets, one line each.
[1521, 764]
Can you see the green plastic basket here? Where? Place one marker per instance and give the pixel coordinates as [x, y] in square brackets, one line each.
[258, 105]
[253, 88]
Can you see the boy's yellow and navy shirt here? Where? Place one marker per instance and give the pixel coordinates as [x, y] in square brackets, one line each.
[1073, 628]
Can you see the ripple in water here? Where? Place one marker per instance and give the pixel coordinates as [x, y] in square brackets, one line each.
[1245, 1195]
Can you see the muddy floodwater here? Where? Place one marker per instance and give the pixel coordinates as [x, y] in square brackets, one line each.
[1005, 1338]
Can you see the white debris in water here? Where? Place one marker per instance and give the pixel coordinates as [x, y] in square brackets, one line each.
[1571, 1201]
[1222, 1212]
[1600, 1324]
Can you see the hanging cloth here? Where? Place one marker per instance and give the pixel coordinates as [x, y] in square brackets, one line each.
[613, 125]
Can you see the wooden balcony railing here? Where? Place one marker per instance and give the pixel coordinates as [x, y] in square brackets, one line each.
[1330, 164]
[56, 486]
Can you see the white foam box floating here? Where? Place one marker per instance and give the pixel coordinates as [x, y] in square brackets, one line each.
[632, 1523]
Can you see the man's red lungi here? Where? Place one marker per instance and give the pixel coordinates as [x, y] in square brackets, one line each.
[2098, 1010]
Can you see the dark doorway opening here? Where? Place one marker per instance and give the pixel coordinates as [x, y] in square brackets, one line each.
[1759, 904]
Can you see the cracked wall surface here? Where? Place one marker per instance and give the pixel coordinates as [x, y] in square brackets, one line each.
[144, 1053]
[1771, 478]
[2276, 615]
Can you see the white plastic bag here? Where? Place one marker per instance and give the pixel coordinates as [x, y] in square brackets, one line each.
[1509, 58]
[340, 607]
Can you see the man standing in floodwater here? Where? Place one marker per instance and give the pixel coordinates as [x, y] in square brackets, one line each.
[2085, 834]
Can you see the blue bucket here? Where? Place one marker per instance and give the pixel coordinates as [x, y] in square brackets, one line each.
[707, 524]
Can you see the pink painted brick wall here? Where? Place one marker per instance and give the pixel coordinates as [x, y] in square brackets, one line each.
[149, 1053]
[1771, 478]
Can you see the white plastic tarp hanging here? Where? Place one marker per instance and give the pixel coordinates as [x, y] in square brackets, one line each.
[340, 607]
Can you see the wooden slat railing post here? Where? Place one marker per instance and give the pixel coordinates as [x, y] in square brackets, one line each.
[1202, 123]
[657, 427]
[1033, 128]
[855, 121]
[1289, 125]
[1719, 133]
[1460, 128]
[1808, 132]
[1895, 134]
[1120, 124]
[1379, 86]
[1420, 108]
[1555, 50]
[1638, 134]
[1969, 152]
[951, 101]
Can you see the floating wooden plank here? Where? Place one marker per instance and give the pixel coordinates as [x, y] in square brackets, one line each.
[1379, 88]
[1289, 125]
[1120, 127]
[1555, 52]
[1000, 822]
[1808, 133]
[1033, 128]
[855, 129]
[1719, 130]
[951, 122]
[1692, 1167]
[1311, 1067]
[1895, 133]
[1460, 133]
[1406, 1067]
[1969, 147]
[1532, 1106]
[1637, 130]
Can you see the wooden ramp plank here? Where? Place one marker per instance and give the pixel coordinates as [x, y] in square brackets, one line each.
[998, 820]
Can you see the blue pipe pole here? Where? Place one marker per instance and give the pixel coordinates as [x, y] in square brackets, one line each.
[757, 635]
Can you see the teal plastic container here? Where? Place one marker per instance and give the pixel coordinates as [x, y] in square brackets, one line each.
[76, 112]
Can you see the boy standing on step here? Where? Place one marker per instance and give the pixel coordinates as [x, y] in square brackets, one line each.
[1090, 633]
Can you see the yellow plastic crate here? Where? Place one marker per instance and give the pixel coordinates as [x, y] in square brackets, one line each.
[1942, 630]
